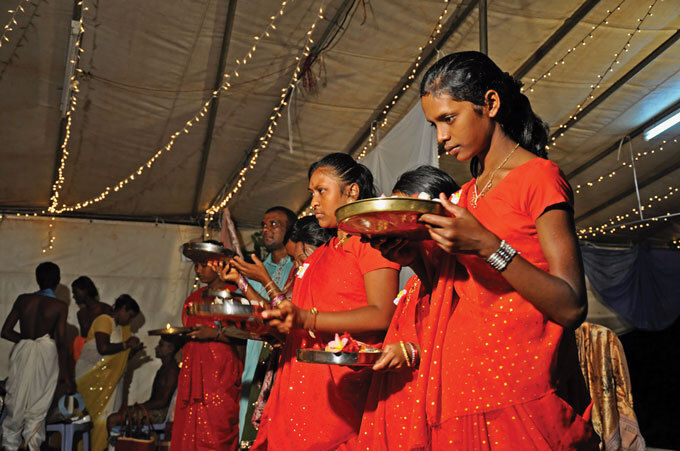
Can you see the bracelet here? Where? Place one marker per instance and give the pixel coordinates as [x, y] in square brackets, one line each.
[403, 349]
[315, 312]
[267, 289]
[278, 299]
[414, 354]
[242, 284]
[219, 331]
[500, 259]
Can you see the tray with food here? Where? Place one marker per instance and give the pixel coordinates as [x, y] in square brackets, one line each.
[343, 350]
[203, 252]
[387, 216]
[171, 330]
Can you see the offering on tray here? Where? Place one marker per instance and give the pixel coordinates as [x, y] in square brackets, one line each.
[388, 216]
[343, 350]
[171, 330]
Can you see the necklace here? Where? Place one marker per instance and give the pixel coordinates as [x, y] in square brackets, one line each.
[486, 188]
[341, 241]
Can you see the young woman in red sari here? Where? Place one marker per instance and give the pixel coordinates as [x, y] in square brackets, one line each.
[497, 365]
[345, 285]
[209, 384]
[397, 386]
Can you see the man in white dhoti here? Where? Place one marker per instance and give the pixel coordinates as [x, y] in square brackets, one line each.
[39, 357]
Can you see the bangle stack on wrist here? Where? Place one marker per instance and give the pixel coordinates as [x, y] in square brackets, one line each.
[314, 312]
[409, 362]
[278, 299]
[415, 358]
[242, 284]
[500, 259]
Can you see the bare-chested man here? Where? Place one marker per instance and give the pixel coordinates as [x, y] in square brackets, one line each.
[39, 356]
[164, 383]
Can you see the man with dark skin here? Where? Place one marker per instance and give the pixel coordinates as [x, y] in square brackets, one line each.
[40, 351]
[87, 297]
[164, 384]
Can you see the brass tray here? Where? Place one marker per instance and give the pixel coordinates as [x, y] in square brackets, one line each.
[387, 216]
[338, 358]
[236, 310]
[202, 252]
[171, 331]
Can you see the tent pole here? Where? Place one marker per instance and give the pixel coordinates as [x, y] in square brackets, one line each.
[555, 38]
[77, 14]
[207, 142]
[334, 22]
[483, 35]
[455, 21]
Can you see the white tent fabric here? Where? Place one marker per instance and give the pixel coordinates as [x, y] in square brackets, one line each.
[140, 259]
[411, 143]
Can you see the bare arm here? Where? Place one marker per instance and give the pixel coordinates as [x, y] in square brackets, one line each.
[63, 350]
[559, 294]
[8, 332]
[104, 345]
[381, 289]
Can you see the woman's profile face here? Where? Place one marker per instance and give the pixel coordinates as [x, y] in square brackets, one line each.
[463, 128]
[302, 251]
[327, 196]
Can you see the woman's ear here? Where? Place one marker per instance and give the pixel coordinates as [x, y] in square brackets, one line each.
[352, 191]
[493, 102]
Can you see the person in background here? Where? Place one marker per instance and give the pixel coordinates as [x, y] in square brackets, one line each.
[164, 383]
[209, 384]
[86, 295]
[344, 285]
[259, 279]
[38, 359]
[102, 363]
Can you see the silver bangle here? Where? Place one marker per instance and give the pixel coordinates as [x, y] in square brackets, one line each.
[500, 259]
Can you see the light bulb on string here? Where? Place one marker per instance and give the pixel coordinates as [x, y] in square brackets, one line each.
[596, 85]
[186, 128]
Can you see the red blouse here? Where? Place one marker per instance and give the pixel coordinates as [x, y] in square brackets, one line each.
[315, 406]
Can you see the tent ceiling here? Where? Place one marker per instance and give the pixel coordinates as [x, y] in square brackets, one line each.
[149, 67]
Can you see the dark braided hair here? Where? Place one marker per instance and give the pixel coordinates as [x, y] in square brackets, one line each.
[468, 76]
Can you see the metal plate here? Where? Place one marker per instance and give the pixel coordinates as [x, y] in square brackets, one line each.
[202, 252]
[171, 331]
[237, 310]
[387, 216]
[338, 358]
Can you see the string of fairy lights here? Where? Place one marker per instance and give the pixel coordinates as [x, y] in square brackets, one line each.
[265, 139]
[371, 142]
[600, 77]
[580, 188]
[572, 50]
[382, 119]
[185, 129]
[612, 224]
[12, 22]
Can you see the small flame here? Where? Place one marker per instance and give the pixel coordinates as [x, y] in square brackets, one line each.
[167, 326]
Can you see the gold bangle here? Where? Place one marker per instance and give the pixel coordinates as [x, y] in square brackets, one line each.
[403, 349]
[315, 312]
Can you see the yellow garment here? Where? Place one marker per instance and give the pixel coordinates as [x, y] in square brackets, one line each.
[98, 376]
[605, 370]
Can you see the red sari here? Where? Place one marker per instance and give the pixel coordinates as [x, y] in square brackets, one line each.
[395, 415]
[500, 370]
[208, 391]
[315, 406]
